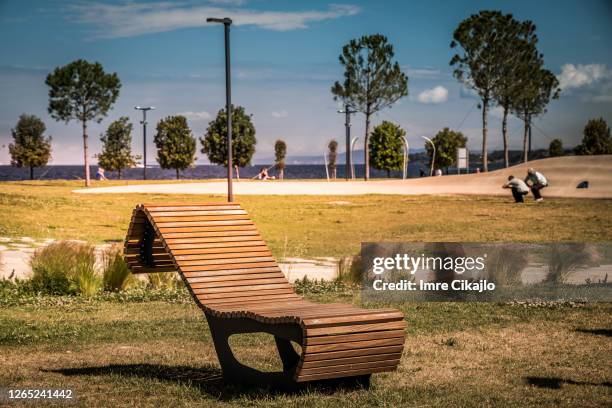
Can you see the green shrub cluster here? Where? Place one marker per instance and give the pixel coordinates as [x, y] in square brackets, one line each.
[69, 268]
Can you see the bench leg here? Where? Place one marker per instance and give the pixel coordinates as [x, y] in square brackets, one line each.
[236, 372]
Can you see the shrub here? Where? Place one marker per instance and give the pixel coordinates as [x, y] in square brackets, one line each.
[116, 276]
[51, 269]
[163, 280]
[64, 268]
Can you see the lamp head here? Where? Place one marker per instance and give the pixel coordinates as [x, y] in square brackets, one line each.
[225, 20]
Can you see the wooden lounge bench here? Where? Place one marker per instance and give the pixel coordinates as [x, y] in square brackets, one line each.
[234, 279]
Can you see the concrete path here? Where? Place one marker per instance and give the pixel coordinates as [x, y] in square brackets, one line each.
[563, 173]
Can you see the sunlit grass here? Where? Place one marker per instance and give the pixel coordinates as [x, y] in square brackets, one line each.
[313, 225]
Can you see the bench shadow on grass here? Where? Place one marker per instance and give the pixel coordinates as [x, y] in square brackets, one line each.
[207, 379]
[555, 383]
[598, 332]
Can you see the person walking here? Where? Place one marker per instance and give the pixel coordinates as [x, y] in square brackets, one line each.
[519, 189]
[536, 182]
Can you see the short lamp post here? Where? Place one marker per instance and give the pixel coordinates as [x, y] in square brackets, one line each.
[228, 101]
[433, 157]
[144, 137]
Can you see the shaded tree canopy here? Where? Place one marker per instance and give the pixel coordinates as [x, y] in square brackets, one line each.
[387, 147]
[117, 146]
[447, 142]
[30, 148]
[555, 148]
[214, 141]
[596, 138]
[280, 152]
[175, 144]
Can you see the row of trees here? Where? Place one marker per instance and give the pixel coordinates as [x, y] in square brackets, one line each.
[176, 146]
[497, 57]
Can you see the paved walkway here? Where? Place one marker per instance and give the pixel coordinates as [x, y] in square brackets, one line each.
[563, 173]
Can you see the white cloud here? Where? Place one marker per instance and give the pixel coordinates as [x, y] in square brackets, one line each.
[438, 94]
[133, 19]
[578, 76]
[280, 114]
[203, 115]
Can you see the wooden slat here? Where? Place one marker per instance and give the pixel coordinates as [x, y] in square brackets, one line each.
[224, 260]
[394, 325]
[353, 345]
[165, 226]
[227, 266]
[185, 213]
[194, 231]
[230, 272]
[203, 218]
[341, 338]
[352, 353]
[340, 374]
[352, 360]
[202, 249]
[363, 317]
[347, 367]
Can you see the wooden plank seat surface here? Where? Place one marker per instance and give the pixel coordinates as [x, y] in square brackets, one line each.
[233, 277]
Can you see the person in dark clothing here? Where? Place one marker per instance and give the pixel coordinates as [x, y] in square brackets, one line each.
[519, 189]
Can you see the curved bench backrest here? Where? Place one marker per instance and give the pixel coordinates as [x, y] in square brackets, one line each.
[215, 247]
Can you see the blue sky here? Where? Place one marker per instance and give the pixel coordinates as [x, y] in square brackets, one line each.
[285, 58]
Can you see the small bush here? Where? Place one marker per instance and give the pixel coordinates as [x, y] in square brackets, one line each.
[51, 269]
[164, 280]
[116, 275]
[65, 268]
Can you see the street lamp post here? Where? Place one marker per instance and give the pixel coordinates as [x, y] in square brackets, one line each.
[433, 157]
[347, 124]
[351, 150]
[228, 101]
[406, 153]
[144, 137]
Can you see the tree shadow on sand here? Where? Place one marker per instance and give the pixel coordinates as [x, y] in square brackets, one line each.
[207, 379]
[555, 383]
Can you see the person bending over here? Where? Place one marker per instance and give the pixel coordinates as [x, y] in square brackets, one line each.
[536, 182]
[519, 189]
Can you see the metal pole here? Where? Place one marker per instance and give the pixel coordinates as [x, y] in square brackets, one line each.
[406, 153]
[228, 102]
[352, 164]
[347, 124]
[144, 146]
[144, 137]
[228, 109]
[433, 157]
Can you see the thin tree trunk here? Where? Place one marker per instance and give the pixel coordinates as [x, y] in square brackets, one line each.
[525, 137]
[505, 136]
[237, 172]
[485, 158]
[31, 172]
[529, 147]
[119, 174]
[281, 174]
[366, 152]
[85, 155]
[177, 174]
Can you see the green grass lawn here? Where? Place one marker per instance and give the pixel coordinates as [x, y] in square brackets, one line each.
[456, 354]
[311, 226]
[159, 353]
